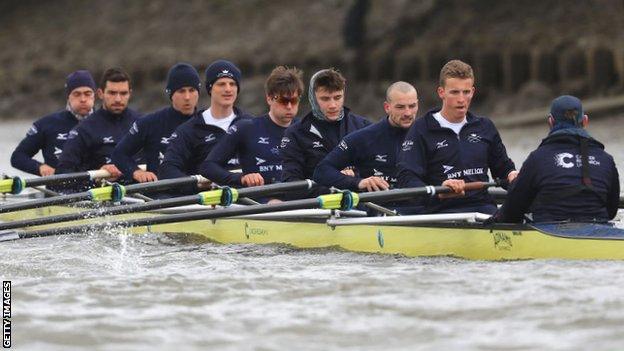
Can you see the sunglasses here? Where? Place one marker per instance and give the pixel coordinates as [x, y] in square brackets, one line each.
[285, 100]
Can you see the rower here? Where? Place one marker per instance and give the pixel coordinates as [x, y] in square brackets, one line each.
[153, 132]
[569, 177]
[308, 141]
[195, 138]
[91, 143]
[450, 146]
[49, 133]
[256, 141]
[373, 150]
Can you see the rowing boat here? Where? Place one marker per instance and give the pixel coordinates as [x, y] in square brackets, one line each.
[460, 235]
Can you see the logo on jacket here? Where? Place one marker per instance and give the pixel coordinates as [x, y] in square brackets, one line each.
[33, 130]
[315, 131]
[474, 138]
[57, 152]
[316, 144]
[107, 160]
[165, 140]
[263, 140]
[232, 130]
[446, 168]
[72, 134]
[343, 145]
[161, 157]
[259, 161]
[441, 144]
[407, 145]
[210, 137]
[377, 173]
[61, 136]
[564, 160]
[108, 140]
[285, 141]
[134, 129]
[381, 158]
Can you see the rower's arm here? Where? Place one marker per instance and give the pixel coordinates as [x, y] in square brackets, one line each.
[176, 162]
[499, 162]
[293, 158]
[328, 170]
[613, 194]
[520, 195]
[22, 157]
[411, 162]
[214, 165]
[123, 154]
[75, 152]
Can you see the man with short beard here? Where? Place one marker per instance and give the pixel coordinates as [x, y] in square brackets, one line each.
[50, 133]
[91, 143]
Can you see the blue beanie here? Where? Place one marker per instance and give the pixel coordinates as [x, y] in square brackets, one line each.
[567, 109]
[222, 69]
[79, 79]
[182, 75]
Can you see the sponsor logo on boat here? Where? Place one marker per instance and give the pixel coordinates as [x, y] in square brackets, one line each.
[263, 140]
[254, 231]
[380, 238]
[502, 241]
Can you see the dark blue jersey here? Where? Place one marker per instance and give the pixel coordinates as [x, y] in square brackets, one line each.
[256, 142]
[372, 151]
[308, 141]
[47, 134]
[431, 154]
[91, 143]
[550, 184]
[151, 134]
[191, 145]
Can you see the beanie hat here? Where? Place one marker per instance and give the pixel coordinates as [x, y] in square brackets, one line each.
[79, 79]
[222, 69]
[567, 109]
[182, 75]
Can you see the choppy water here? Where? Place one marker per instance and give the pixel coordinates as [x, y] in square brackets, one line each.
[110, 291]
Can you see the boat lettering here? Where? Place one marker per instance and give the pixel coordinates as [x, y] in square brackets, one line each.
[502, 241]
[249, 231]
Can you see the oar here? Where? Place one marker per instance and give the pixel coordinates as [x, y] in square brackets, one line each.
[15, 185]
[500, 194]
[114, 192]
[342, 201]
[212, 197]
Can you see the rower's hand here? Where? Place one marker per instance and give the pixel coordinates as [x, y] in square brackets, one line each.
[45, 170]
[348, 172]
[252, 179]
[142, 176]
[373, 184]
[457, 185]
[113, 170]
[512, 176]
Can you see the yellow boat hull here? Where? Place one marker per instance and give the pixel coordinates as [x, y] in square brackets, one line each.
[466, 240]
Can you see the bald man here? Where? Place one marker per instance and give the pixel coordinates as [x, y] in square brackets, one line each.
[372, 151]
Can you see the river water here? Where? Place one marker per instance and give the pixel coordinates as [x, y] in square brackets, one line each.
[110, 291]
